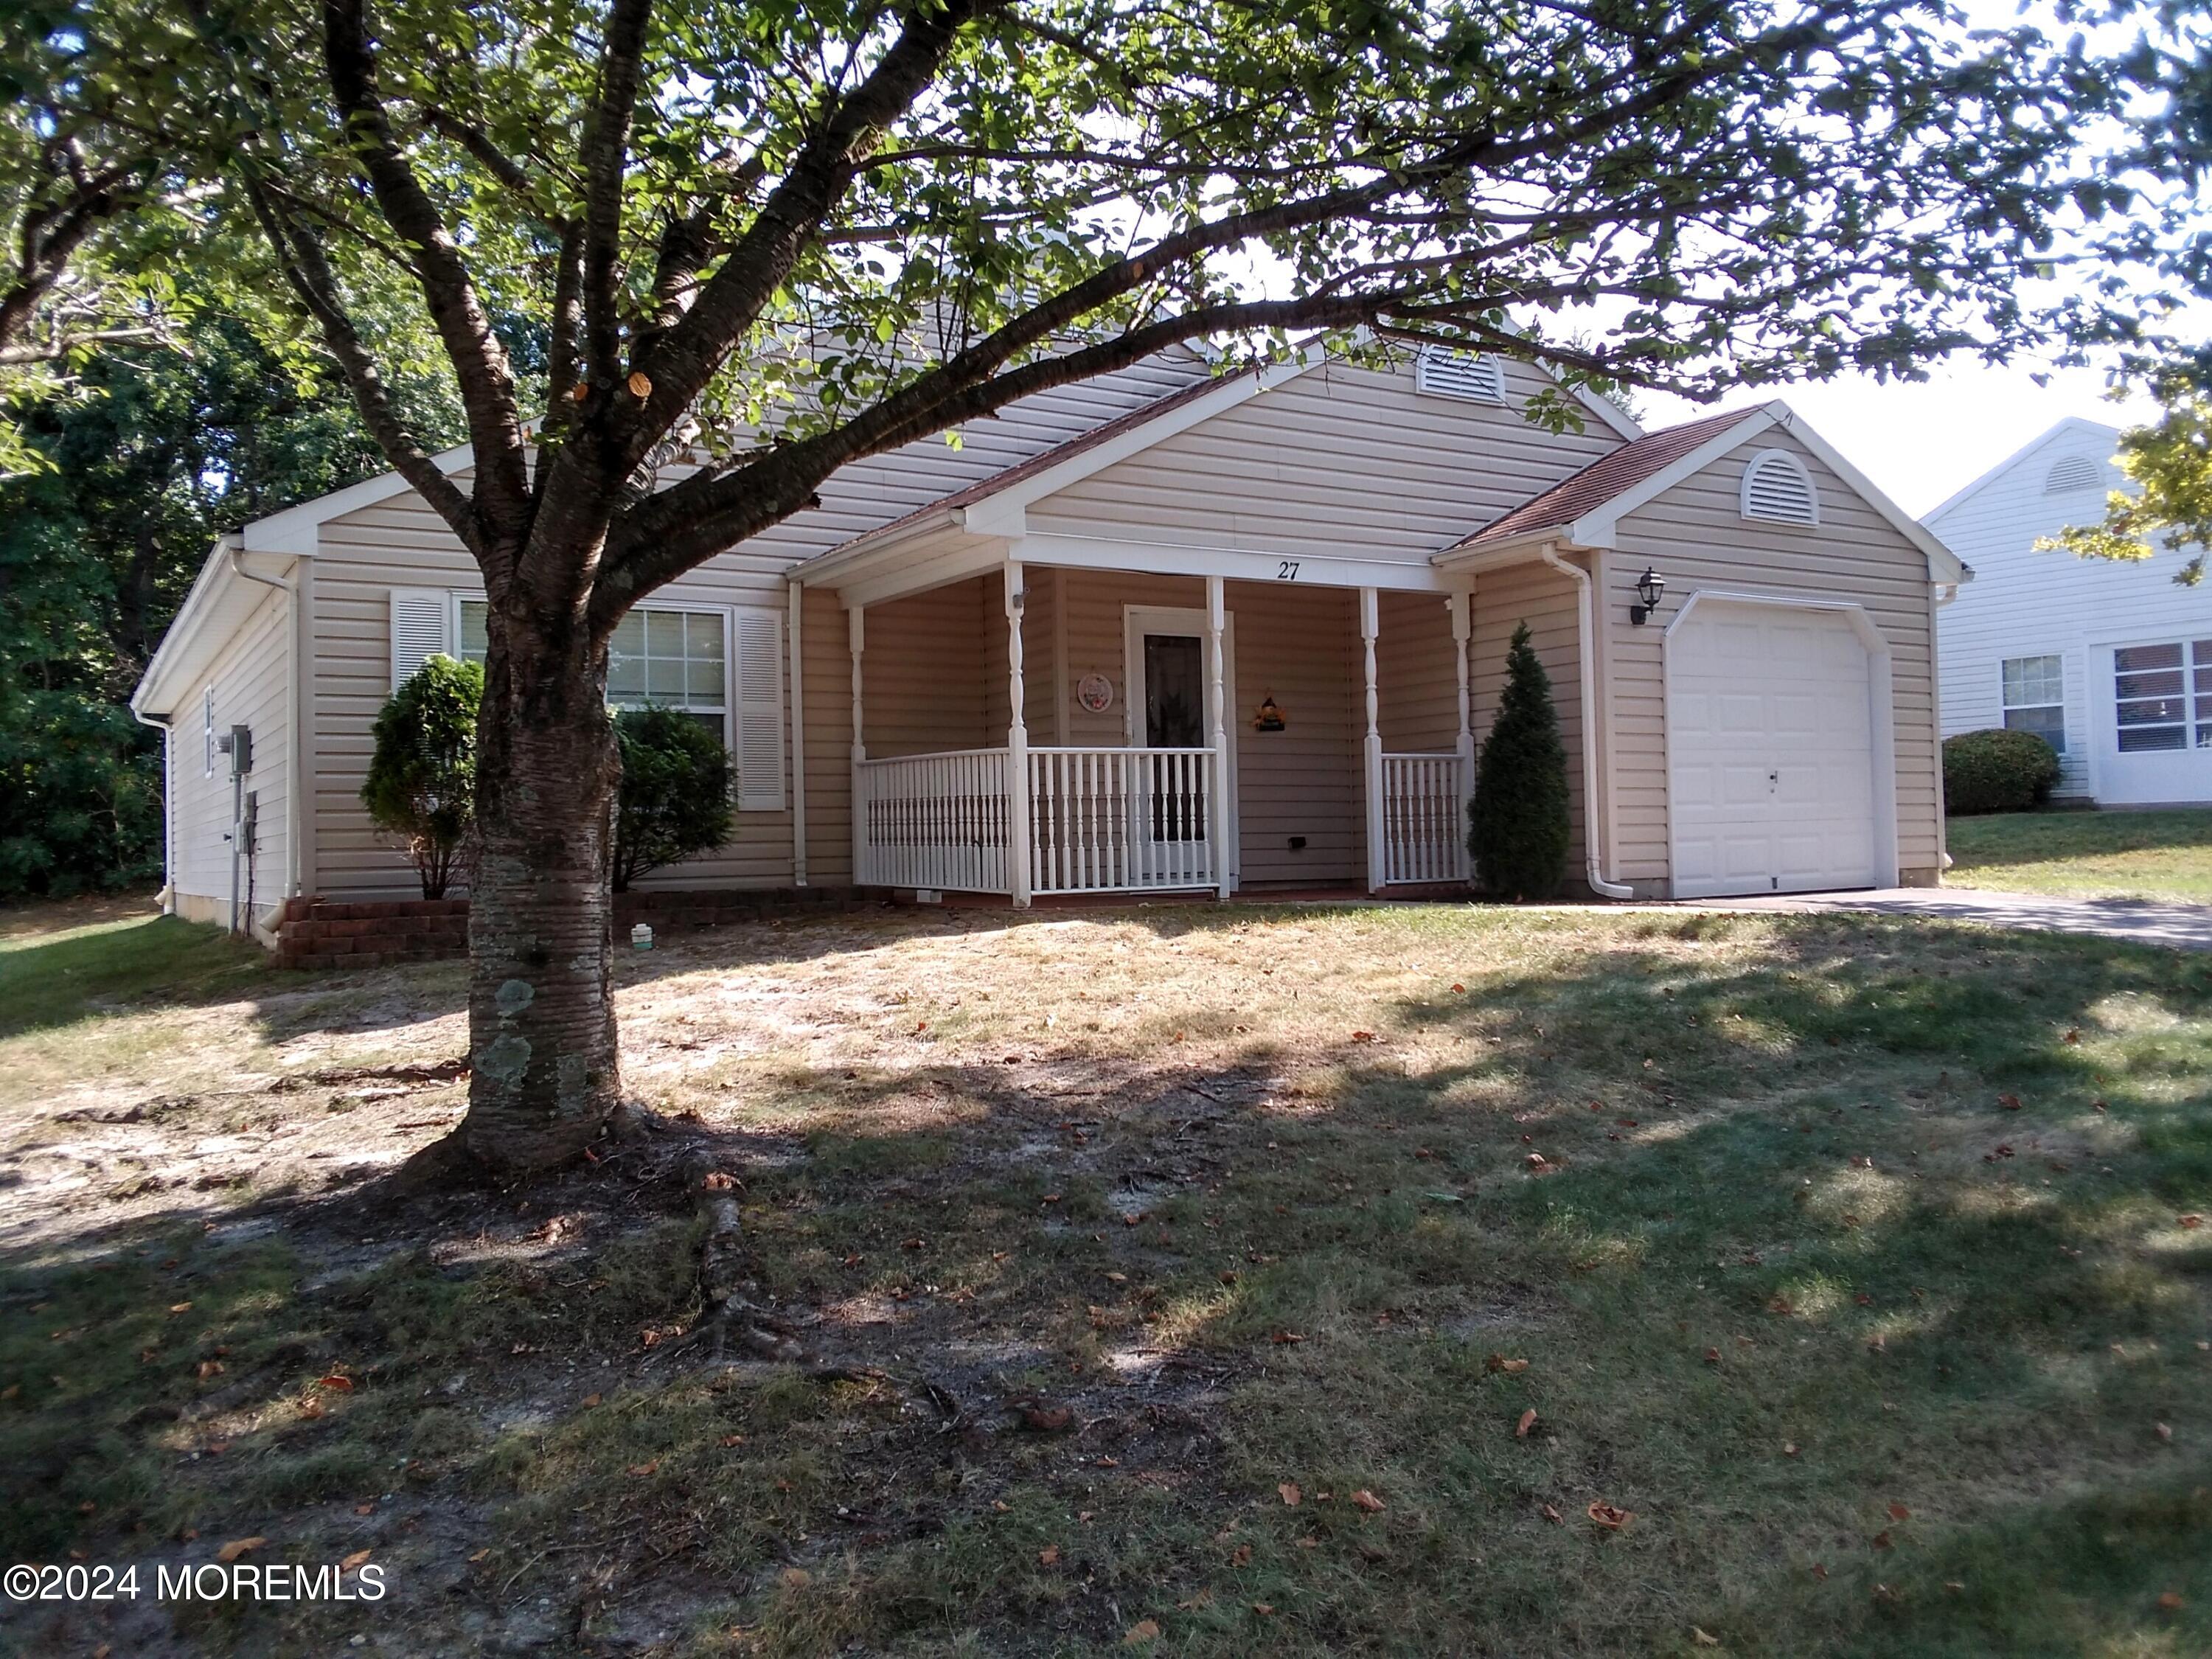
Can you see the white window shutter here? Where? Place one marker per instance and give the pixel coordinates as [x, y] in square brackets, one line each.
[421, 628]
[760, 711]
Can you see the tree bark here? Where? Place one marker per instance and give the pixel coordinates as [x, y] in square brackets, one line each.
[546, 1074]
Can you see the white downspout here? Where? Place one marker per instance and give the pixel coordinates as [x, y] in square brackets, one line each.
[1585, 631]
[160, 723]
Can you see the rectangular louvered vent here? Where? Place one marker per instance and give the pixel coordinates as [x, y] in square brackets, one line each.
[1776, 488]
[1459, 375]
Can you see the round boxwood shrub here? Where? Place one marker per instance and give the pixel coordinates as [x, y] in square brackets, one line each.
[421, 777]
[675, 799]
[1997, 771]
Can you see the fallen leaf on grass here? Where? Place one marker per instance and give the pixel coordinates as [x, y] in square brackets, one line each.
[1363, 1037]
[1045, 1420]
[359, 1557]
[2170, 1602]
[2010, 1103]
[1368, 1501]
[1308, 1542]
[238, 1547]
[1881, 1541]
[1898, 1512]
[594, 1399]
[180, 1307]
[1144, 1630]
[2163, 1430]
[643, 1469]
[717, 1181]
[729, 1440]
[797, 1578]
[1265, 1610]
[1607, 1515]
[2191, 1220]
[1285, 1338]
[1528, 1422]
[480, 1555]
[335, 1383]
[210, 1368]
[1553, 1516]
[1498, 1362]
[1048, 1556]
[1701, 1639]
[1241, 1556]
[1290, 1494]
[365, 1509]
[1200, 1597]
[1789, 1448]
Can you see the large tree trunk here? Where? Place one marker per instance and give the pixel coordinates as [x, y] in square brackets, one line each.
[545, 1077]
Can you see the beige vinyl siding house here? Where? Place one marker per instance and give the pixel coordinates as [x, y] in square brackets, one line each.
[1173, 630]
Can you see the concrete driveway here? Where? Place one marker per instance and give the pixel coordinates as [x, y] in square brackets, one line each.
[2145, 921]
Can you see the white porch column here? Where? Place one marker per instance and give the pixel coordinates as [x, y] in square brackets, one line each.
[1217, 721]
[856, 640]
[1462, 626]
[1018, 746]
[1369, 627]
[798, 736]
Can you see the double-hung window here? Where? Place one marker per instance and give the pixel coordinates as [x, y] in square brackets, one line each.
[2035, 697]
[2162, 695]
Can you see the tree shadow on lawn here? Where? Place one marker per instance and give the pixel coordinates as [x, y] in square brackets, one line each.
[1270, 1267]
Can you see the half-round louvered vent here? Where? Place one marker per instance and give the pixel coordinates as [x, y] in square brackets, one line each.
[1776, 488]
[2072, 473]
[1459, 375]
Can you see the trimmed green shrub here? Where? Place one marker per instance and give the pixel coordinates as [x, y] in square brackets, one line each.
[1997, 770]
[1517, 823]
[675, 799]
[422, 778]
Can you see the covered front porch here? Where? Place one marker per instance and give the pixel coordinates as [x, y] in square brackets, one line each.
[1034, 729]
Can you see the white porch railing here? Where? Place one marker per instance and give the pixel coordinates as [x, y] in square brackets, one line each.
[1121, 820]
[936, 821]
[1424, 819]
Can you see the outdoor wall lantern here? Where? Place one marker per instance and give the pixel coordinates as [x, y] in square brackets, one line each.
[1651, 587]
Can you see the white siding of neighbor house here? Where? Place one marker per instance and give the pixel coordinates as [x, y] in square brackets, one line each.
[1695, 536]
[249, 675]
[2026, 604]
[1342, 462]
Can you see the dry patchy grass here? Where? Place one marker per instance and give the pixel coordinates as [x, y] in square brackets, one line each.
[1847, 1255]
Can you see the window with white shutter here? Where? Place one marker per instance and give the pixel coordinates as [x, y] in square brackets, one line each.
[760, 711]
[1447, 374]
[1778, 489]
[421, 628]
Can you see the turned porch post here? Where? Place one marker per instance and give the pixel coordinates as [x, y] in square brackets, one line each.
[1217, 727]
[1018, 746]
[1378, 866]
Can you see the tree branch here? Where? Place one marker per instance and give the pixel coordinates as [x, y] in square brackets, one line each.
[604, 153]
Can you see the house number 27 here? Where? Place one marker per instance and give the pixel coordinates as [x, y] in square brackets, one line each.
[1286, 570]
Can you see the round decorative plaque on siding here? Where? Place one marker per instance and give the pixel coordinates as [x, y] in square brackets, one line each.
[1095, 692]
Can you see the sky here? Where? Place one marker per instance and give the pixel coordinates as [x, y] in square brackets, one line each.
[1921, 442]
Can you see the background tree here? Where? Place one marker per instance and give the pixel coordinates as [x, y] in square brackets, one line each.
[1518, 827]
[2169, 464]
[783, 238]
[674, 800]
[422, 775]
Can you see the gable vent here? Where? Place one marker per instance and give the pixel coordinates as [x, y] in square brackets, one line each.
[1777, 488]
[1459, 375]
[2070, 473]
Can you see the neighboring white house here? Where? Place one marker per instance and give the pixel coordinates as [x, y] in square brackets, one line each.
[1168, 629]
[2111, 662]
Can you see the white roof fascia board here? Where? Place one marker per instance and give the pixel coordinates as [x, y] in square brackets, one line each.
[295, 530]
[1943, 565]
[2070, 424]
[1136, 557]
[825, 569]
[1517, 549]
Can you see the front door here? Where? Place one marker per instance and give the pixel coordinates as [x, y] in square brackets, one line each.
[1167, 709]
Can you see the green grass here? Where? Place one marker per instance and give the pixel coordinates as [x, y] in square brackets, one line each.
[72, 973]
[1855, 1268]
[2155, 855]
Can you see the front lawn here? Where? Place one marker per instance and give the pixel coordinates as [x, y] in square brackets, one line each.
[2164, 854]
[1416, 1280]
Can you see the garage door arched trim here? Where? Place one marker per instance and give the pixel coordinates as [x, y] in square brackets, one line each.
[1880, 715]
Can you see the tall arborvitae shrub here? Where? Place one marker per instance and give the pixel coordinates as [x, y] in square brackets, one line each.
[1517, 827]
[423, 776]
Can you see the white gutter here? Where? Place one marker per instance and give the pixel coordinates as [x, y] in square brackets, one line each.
[1585, 635]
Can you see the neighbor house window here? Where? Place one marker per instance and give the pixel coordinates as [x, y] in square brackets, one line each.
[2163, 695]
[2035, 698]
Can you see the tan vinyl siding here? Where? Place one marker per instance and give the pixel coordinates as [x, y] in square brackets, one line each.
[928, 665]
[827, 662]
[249, 675]
[1342, 462]
[1544, 600]
[402, 544]
[1416, 674]
[1696, 536]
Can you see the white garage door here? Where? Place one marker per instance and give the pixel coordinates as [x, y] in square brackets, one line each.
[1770, 746]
